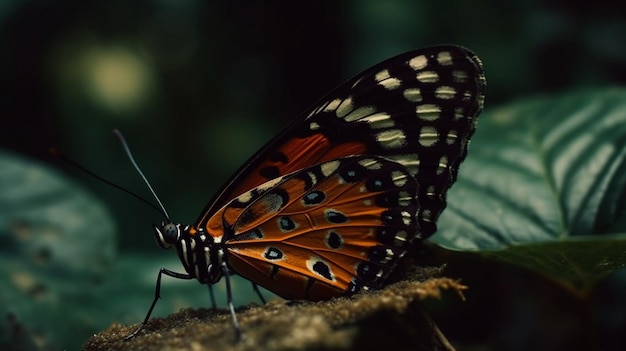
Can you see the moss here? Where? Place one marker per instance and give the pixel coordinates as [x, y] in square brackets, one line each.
[386, 319]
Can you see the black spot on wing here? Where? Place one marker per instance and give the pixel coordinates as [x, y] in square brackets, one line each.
[322, 269]
[334, 240]
[272, 253]
[336, 217]
[286, 224]
[270, 172]
[354, 172]
[315, 197]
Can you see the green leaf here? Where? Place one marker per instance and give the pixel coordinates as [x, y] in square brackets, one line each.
[544, 187]
[56, 244]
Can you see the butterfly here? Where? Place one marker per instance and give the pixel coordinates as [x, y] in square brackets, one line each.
[330, 206]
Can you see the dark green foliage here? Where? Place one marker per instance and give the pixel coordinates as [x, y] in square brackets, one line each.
[57, 242]
[544, 188]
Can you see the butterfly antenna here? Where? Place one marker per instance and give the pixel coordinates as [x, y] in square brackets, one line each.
[82, 168]
[120, 137]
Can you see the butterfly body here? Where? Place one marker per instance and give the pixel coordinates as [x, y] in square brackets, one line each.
[332, 204]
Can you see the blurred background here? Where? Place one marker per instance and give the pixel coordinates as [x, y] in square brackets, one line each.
[198, 86]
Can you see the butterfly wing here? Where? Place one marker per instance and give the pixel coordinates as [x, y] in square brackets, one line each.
[418, 109]
[326, 230]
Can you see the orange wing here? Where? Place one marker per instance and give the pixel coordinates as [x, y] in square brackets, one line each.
[327, 230]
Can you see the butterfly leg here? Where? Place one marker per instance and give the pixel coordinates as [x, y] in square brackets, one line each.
[258, 293]
[212, 296]
[157, 296]
[229, 298]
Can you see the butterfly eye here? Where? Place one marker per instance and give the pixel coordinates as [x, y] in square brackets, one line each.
[167, 234]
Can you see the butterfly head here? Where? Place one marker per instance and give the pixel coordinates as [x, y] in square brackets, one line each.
[167, 234]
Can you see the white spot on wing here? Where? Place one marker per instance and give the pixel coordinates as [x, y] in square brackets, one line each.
[387, 81]
[412, 94]
[382, 75]
[418, 62]
[410, 161]
[379, 121]
[406, 218]
[443, 164]
[445, 92]
[391, 139]
[428, 112]
[245, 197]
[451, 137]
[444, 58]
[312, 177]
[398, 178]
[428, 136]
[428, 77]
[370, 163]
[344, 107]
[332, 106]
[430, 191]
[404, 198]
[359, 113]
[400, 238]
[269, 184]
[328, 168]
